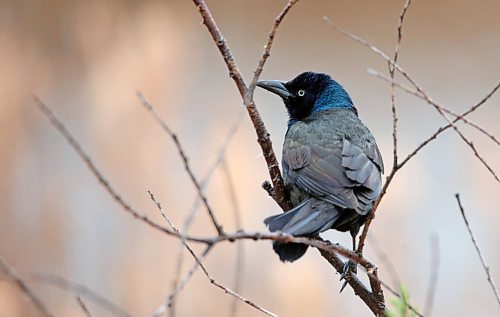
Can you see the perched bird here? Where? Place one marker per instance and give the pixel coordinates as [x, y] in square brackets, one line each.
[331, 164]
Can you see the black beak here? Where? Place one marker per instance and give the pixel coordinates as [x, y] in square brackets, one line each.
[276, 87]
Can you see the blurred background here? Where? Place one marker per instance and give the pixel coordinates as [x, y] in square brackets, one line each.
[87, 60]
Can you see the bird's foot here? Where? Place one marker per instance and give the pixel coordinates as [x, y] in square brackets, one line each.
[350, 268]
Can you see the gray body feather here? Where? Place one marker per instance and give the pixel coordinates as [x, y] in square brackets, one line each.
[331, 168]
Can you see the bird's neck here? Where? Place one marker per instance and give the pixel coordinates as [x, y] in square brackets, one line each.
[334, 96]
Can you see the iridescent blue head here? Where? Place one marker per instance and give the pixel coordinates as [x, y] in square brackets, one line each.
[309, 93]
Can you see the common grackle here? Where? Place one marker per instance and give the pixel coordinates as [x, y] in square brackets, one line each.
[331, 163]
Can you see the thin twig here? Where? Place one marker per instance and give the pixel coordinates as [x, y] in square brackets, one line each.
[378, 308]
[393, 92]
[384, 258]
[35, 300]
[445, 127]
[194, 210]
[392, 68]
[185, 160]
[427, 99]
[441, 109]
[60, 282]
[329, 248]
[180, 284]
[422, 93]
[93, 169]
[210, 171]
[395, 293]
[435, 104]
[83, 307]
[262, 135]
[478, 250]
[267, 48]
[239, 269]
[210, 278]
[433, 276]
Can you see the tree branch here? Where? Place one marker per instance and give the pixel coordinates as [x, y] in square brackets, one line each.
[75, 288]
[200, 264]
[183, 155]
[478, 250]
[37, 303]
[247, 96]
[83, 307]
[93, 169]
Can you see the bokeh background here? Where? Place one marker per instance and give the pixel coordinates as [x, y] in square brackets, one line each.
[87, 60]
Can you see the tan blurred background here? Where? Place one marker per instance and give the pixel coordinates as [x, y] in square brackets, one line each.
[87, 59]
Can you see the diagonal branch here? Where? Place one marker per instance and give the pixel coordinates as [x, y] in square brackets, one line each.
[392, 67]
[267, 48]
[194, 210]
[37, 303]
[200, 264]
[93, 169]
[423, 95]
[373, 302]
[185, 160]
[478, 250]
[420, 90]
[433, 276]
[239, 265]
[392, 64]
[441, 109]
[179, 285]
[393, 92]
[443, 128]
[262, 135]
[60, 282]
[83, 307]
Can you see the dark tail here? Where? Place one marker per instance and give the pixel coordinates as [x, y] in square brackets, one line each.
[289, 252]
[307, 219]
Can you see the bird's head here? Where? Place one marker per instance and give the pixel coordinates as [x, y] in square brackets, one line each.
[308, 93]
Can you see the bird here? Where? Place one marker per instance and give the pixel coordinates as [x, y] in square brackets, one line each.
[331, 163]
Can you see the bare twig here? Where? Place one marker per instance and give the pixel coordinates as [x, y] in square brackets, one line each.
[393, 92]
[478, 250]
[180, 284]
[210, 171]
[416, 93]
[267, 48]
[210, 278]
[384, 258]
[417, 149]
[93, 169]
[60, 282]
[191, 216]
[378, 308]
[423, 95]
[238, 272]
[395, 293]
[392, 66]
[441, 109]
[84, 308]
[329, 248]
[183, 155]
[429, 100]
[433, 276]
[262, 134]
[445, 127]
[37, 303]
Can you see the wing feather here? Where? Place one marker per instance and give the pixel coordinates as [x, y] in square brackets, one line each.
[342, 174]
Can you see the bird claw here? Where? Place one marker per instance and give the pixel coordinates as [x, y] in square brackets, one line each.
[348, 269]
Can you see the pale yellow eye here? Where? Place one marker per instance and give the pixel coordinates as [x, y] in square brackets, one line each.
[301, 93]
